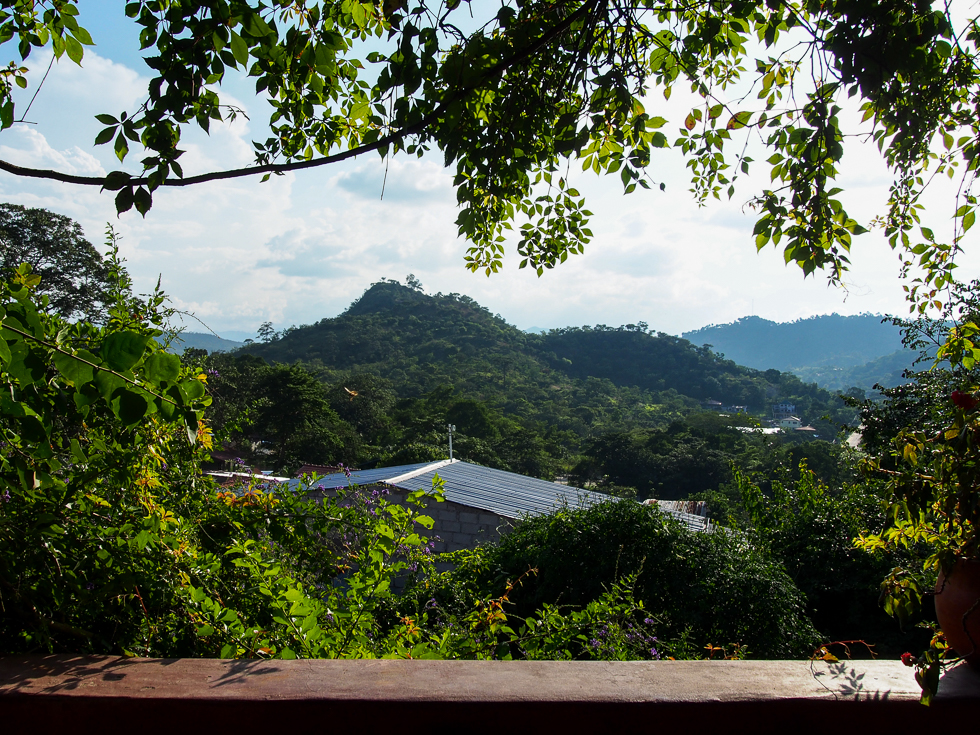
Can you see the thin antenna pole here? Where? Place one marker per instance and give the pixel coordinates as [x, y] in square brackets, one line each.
[451, 428]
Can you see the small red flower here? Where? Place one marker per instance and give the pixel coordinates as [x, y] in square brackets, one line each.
[908, 659]
[964, 400]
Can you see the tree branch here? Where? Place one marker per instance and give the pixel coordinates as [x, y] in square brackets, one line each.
[92, 365]
[280, 168]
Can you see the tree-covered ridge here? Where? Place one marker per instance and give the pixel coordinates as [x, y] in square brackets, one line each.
[660, 362]
[601, 375]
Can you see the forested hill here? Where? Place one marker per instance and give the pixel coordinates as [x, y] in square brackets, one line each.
[416, 341]
[828, 340]
[585, 379]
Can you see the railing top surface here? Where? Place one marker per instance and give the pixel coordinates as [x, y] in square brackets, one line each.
[470, 681]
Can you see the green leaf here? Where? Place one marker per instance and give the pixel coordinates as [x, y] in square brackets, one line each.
[192, 390]
[968, 220]
[143, 200]
[162, 367]
[124, 200]
[107, 383]
[121, 147]
[77, 453]
[239, 48]
[105, 136]
[74, 49]
[166, 409]
[73, 369]
[129, 406]
[25, 366]
[83, 36]
[116, 180]
[122, 350]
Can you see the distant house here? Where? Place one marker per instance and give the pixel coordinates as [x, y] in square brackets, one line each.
[480, 504]
[789, 422]
[711, 405]
[783, 410]
[735, 409]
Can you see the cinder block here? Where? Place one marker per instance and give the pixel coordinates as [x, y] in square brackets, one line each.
[467, 517]
[448, 527]
[471, 528]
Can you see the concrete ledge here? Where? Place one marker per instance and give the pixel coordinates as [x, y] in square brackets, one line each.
[105, 694]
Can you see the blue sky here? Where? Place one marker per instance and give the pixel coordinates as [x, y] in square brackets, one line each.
[301, 247]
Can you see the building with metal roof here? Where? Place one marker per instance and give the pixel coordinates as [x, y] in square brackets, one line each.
[480, 502]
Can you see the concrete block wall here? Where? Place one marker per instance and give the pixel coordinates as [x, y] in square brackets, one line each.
[456, 526]
[460, 526]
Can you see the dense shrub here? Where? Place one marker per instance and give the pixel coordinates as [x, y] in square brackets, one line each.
[707, 588]
[810, 529]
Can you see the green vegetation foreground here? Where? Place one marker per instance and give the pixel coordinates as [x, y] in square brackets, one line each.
[112, 541]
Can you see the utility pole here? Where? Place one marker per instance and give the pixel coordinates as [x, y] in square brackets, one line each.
[452, 428]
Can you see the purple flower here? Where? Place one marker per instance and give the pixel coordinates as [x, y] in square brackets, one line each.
[239, 461]
[655, 653]
[6, 496]
[213, 373]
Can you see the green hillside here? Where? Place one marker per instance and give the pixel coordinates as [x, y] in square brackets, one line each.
[659, 362]
[583, 379]
[378, 384]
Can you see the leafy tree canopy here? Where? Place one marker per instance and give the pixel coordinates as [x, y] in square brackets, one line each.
[73, 275]
[512, 93]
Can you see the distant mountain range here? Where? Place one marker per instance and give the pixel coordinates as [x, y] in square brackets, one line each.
[202, 341]
[834, 351]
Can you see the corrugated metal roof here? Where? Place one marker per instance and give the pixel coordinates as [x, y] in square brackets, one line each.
[367, 477]
[505, 493]
[692, 521]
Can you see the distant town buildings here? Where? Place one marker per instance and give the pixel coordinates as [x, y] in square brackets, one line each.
[783, 410]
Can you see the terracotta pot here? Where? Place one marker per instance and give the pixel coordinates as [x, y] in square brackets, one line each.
[957, 596]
